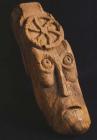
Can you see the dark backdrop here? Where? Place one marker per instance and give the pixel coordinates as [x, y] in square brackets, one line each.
[20, 118]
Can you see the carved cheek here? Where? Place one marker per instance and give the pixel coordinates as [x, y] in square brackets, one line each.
[47, 80]
[71, 75]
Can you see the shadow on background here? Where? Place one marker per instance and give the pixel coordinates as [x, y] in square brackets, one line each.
[20, 118]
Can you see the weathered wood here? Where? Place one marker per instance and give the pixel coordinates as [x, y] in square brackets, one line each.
[50, 63]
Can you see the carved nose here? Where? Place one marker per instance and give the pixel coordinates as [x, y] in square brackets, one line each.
[62, 84]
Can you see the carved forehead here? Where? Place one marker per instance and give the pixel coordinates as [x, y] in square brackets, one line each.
[55, 53]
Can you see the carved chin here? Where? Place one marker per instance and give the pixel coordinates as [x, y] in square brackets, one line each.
[76, 120]
[73, 119]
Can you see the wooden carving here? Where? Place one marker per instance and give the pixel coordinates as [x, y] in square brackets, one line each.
[50, 63]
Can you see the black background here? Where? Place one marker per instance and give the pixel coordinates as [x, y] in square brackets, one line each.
[20, 118]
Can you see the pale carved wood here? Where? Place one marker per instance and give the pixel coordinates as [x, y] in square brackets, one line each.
[50, 63]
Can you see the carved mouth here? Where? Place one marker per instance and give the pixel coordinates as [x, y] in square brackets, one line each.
[71, 108]
[74, 107]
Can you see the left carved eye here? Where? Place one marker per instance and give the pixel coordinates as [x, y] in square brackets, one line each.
[68, 59]
[46, 63]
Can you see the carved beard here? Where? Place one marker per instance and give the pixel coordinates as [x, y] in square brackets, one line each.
[50, 63]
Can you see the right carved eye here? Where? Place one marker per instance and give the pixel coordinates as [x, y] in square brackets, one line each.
[68, 60]
[46, 63]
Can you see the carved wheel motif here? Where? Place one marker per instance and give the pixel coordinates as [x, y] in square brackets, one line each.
[45, 32]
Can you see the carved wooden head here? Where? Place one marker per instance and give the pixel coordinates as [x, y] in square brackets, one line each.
[50, 63]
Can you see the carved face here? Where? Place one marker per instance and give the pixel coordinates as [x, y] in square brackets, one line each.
[50, 63]
[54, 72]
[58, 92]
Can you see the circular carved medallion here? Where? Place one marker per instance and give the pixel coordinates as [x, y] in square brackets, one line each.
[44, 31]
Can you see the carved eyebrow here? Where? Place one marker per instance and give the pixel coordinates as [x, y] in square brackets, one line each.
[61, 49]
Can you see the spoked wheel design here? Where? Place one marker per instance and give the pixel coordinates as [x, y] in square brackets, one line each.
[45, 32]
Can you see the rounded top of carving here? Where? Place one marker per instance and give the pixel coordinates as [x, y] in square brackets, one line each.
[44, 31]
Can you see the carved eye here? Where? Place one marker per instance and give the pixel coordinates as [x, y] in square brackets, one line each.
[46, 63]
[68, 60]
